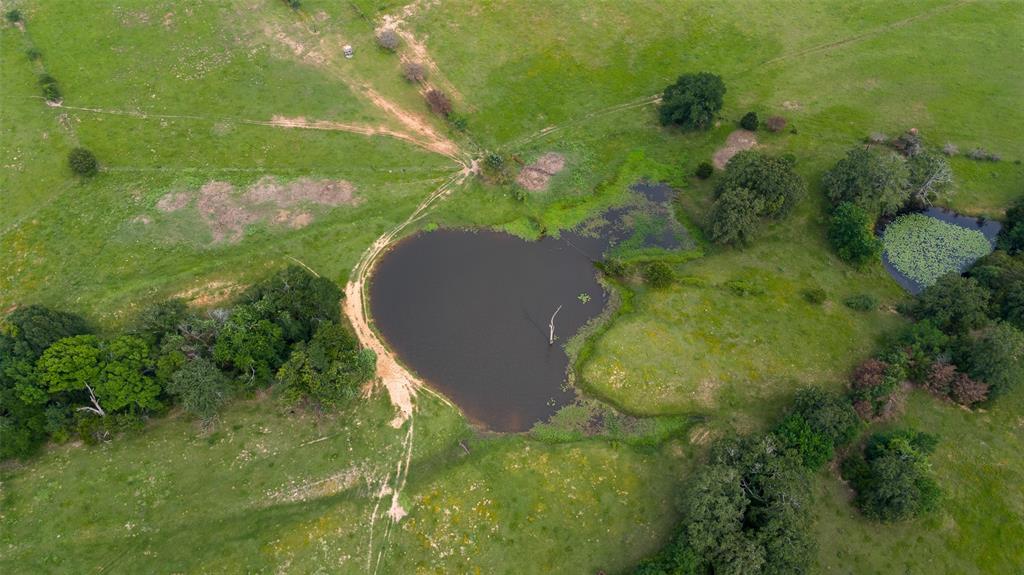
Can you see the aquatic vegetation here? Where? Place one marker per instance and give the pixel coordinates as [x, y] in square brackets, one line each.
[924, 248]
[583, 297]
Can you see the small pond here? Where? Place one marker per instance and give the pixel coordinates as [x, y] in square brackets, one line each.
[988, 228]
[469, 311]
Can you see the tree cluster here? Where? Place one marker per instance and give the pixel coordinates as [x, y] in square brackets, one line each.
[754, 186]
[58, 379]
[892, 477]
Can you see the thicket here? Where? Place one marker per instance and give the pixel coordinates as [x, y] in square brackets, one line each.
[58, 379]
[754, 186]
[692, 102]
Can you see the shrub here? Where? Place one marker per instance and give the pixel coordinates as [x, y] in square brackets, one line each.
[775, 123]
[293, 4]
[458, 121]
[13, 16]
[735, 217]
[439, 103]
[815, 296]
[749, 121]
[861, 302]
[877, 138]
[704, 170]
[983, 155]
[923, 344]
[850, 231]
[692, 102]
[772, 179]
[909, 143]
[200, 387]
[414, 72]
[968, 392]
[744, 288]
[874, 384]
[51, 91]
[658, 275]
[82, 162]
[954, 304]
[950, 149]
[876, 180]
[925, 249]
[892, 477]
[388, 39]
[33, 54]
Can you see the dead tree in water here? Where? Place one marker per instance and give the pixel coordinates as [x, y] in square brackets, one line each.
[551, 327]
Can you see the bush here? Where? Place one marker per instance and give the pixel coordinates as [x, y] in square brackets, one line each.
[33, 54]
[658, 275]
[954, 304]
[704, 170]
[876, 180]
[388, 40]
[749, 121]
[945, 381]
[200, 387]
[775, 123]
[983, 155]
[861, 302]
[874, 384]
[13, 16]
[293, 4]
[816, 296]
[439, 103]
[892, 477]
[82, 162]
[909, 143]
[51, 91]
[692, 102]
[950, 149]
[414, 72]
[850, 231]
[772, 179]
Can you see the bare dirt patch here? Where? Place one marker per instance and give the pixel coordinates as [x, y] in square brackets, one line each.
[537, 176]
[227, 211]
[736, 142]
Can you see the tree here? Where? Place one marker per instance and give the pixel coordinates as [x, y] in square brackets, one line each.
[735, 216]
[50, 88]
[892, 477]
[851, 235]
[929, 177]
[388, 39]
[876, 180]
[439, 103]
[658, 275]
[955, 304]
[944, 380]
[329, 370]
[818, 423]
[749, 121]
[34, 328]
[112, 374]
[1003, 275]
[773, 179]
[414, 72]
[250, 344]
[692, 102]
[873, 386]
[1011, 237]
[995, 356]
[159, 320]
[83, 162]
[297, 301]
[200, 387]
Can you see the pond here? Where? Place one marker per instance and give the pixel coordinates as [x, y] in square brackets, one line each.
[987, 228]
[469, 311]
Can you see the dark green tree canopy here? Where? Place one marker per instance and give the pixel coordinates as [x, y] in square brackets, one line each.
[735, 216]
[250, 344]
[1011, 237]
[955, 304]
[876, 180]
[773, 179]
[892, 477]
[34, 328]
[200, 387]
[692, 102]
[297, 301]
[329, 370]
[81, 161]
[994, 356]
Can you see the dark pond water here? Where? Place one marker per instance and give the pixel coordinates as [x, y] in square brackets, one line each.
[469, 311]
[989, 228]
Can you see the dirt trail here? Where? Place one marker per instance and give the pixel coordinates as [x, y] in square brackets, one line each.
[416, 49]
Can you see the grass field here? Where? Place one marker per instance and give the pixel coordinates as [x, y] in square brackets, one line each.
[171, 96]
